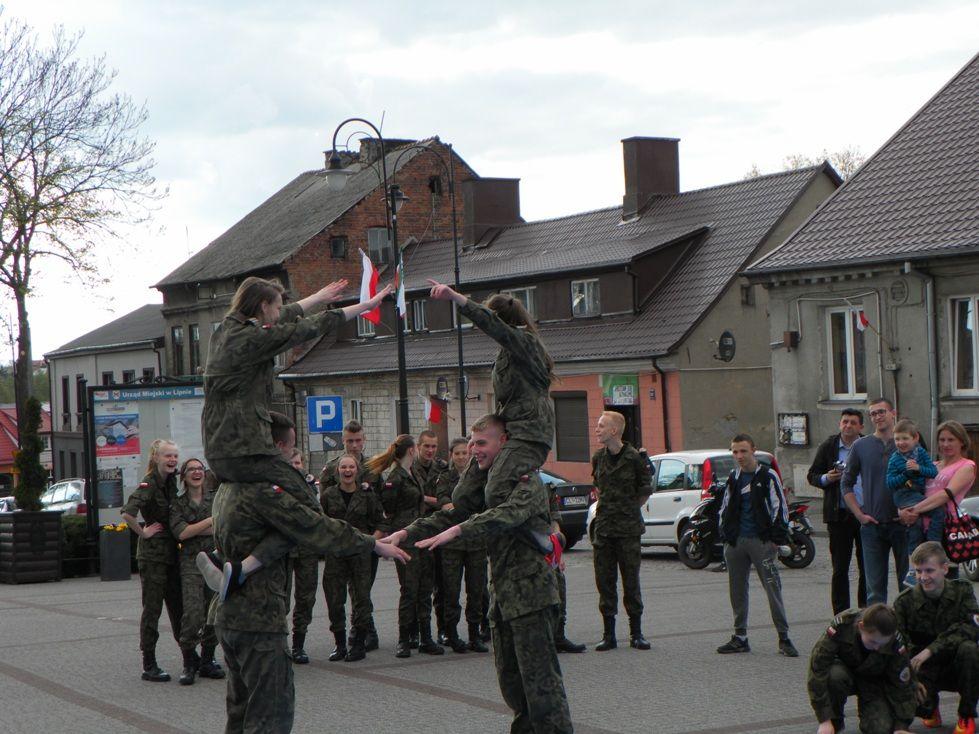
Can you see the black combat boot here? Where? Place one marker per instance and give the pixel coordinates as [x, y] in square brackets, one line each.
[299, 655]
[484, 630]
[413, 637]
[636, 639]
[210, 668]
[454, 641]
[340, 651]
[371, 643]
[476, 643]
[608, 641]
[443, 637]
[152, 671]
[404, 644]
[358, 648]
[563, 644]
[426, 644]
[191, 663]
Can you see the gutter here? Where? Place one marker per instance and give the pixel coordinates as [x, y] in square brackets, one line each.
[666, 407]
[930, 310]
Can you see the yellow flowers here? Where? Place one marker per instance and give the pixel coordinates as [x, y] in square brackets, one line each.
[121, 527]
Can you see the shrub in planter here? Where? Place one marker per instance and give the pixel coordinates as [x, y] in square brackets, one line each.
[75, 549]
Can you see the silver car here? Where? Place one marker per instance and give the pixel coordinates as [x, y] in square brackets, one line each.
[66, 496]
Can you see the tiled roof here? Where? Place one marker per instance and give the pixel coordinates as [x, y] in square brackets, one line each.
[916, 196]
[738, 216]
[10, 436]
[283, 223]
[142, 325]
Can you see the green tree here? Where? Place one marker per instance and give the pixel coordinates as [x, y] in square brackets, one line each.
[31, 475]
[73, 167]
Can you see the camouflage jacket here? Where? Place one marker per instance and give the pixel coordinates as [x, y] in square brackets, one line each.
[183, 512]
[428, 477]
[521, 579]
[521, 379]
[152, 499]
[889, 665]
[363, 512]
[443, 492]
[940, 624]
[330, 478]
[238, 378]
[401, 498]
[623, 484]
[243, 515]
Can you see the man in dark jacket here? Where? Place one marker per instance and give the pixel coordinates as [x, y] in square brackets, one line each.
[844, 530]
[753, 523]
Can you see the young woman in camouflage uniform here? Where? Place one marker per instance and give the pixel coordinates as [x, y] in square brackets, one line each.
[156, 552]
[356, 503]
[402, 499]
[190, 522]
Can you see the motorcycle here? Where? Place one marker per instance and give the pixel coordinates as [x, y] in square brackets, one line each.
[701, 538]
[802, 549]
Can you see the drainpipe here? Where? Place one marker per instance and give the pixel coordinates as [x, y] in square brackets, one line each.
[666, 407]
[929, 282]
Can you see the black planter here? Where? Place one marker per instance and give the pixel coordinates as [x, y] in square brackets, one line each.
[30, 547]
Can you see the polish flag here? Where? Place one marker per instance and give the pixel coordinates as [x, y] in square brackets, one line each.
[399, 286]
[862, 321]
[368, 288]
[433, 413]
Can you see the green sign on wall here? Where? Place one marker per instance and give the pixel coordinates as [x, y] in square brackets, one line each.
[620, 389]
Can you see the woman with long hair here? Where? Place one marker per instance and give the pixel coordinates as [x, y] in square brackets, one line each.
[191, 524]
[402, 496]
[156, 552]
[355, 502]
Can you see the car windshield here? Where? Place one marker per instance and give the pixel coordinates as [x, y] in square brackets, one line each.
[551, 478]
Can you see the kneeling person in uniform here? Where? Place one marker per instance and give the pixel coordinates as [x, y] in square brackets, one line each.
[862, 653]
[939, 618]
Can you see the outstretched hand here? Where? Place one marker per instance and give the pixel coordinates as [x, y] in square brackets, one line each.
[442, 292]
[396, 538]
[446, 536]
[331, 292]
[387, 550]
[381, 295]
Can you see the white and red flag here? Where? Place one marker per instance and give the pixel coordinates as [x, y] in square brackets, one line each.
[368, 288]
[862, 321]
[399, 286]
[433, 411]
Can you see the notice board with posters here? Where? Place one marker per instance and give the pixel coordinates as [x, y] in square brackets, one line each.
[124, 422]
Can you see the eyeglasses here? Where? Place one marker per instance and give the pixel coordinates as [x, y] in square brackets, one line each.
[875, 413]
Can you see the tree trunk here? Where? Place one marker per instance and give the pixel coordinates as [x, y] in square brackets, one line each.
[23, 369]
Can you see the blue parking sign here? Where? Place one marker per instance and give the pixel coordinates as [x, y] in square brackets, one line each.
[324, 413]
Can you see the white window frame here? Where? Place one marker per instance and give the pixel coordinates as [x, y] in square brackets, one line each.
[365, 328]
[466, 323]
[388, 254]
[357, 410]
[419, 316]
[954, 345]
[850, 335]
[527, 295]
[594, 283]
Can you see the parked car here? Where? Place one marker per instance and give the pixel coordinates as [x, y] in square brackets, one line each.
[970, 569]
[66, 496]
[573, 502]
[7, 504]
[681, 480]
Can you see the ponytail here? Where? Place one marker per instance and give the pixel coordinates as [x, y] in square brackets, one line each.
[395, 452]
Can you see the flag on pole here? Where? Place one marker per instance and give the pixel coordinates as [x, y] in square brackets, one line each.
[399, 285]
[433, 412]
[862, 321]
[368, 288]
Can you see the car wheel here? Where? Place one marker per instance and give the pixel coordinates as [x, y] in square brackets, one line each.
[970, 569]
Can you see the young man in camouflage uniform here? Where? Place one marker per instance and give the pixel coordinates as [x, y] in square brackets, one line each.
[621, 475]
[428, 467]
[305, 564]
[524, 606]
[862, 653]
[251, 623]
[561, 641]
[939, 618]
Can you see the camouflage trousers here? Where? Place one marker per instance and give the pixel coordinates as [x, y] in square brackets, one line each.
[611, 557]
[455, 565]
[438, 589]
[415, 578]
[160, 585]
[306, 573]
[873, 709]
[562, 590]
[957, 671]
[353, 574]
[196, 597]
[528, 671]
[274, 470]
[515, 459]
[261, 698]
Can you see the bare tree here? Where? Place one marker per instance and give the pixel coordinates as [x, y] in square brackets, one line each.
[846, 161]
[73, 166]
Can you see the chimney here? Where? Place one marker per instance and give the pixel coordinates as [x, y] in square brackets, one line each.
[488, 203]
[652, 167]
[370, 148]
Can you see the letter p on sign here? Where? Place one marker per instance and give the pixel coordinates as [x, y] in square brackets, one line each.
[325, 413]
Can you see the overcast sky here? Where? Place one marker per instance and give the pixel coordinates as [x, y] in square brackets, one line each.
[244, 95]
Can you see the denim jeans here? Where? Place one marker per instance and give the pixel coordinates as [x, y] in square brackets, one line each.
[878, 541]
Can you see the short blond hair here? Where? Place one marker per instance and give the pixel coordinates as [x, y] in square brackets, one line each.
[617, 419]
[929, 551]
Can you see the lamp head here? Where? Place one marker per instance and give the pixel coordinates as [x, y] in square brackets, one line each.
[398, 198]
[336, 174]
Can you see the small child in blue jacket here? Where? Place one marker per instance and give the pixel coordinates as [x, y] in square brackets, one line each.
[907, 470]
